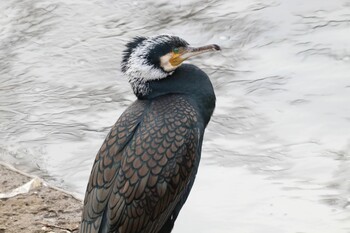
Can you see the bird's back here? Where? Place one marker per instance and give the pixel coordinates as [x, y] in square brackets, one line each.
[145, 168]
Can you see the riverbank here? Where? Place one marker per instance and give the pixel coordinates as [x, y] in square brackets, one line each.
[28, 204]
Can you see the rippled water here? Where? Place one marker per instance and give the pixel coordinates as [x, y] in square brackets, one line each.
[276, 153]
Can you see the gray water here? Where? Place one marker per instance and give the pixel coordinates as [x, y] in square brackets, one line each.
[276, 155]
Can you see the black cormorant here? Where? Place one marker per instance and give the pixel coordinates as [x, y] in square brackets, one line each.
[146, 167]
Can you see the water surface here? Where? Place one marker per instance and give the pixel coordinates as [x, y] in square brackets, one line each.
[276, 153]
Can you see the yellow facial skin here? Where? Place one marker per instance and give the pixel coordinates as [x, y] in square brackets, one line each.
[176, 59]
[172, 60]
[181, 54]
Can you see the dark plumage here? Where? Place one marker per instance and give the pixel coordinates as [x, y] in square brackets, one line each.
[146, 167]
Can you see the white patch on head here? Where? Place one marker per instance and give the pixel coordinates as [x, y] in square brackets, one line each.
[139, 71]
[165, 63]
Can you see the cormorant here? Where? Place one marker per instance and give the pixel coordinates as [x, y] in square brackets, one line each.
[146, 167]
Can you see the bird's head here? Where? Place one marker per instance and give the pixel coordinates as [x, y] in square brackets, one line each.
[156, 57]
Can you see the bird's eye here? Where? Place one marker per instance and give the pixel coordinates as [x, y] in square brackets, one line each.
[176, 50]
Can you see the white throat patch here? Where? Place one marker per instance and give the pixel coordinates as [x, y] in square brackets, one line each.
[165, 63]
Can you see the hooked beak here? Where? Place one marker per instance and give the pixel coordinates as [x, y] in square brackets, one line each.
[188, 52]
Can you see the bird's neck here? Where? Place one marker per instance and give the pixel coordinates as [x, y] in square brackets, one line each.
[139, 87]
[140, 78]
[187, 80]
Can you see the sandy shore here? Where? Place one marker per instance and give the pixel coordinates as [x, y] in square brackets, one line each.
[41, 209]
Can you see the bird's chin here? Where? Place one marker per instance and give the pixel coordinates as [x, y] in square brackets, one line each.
[169, 68]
